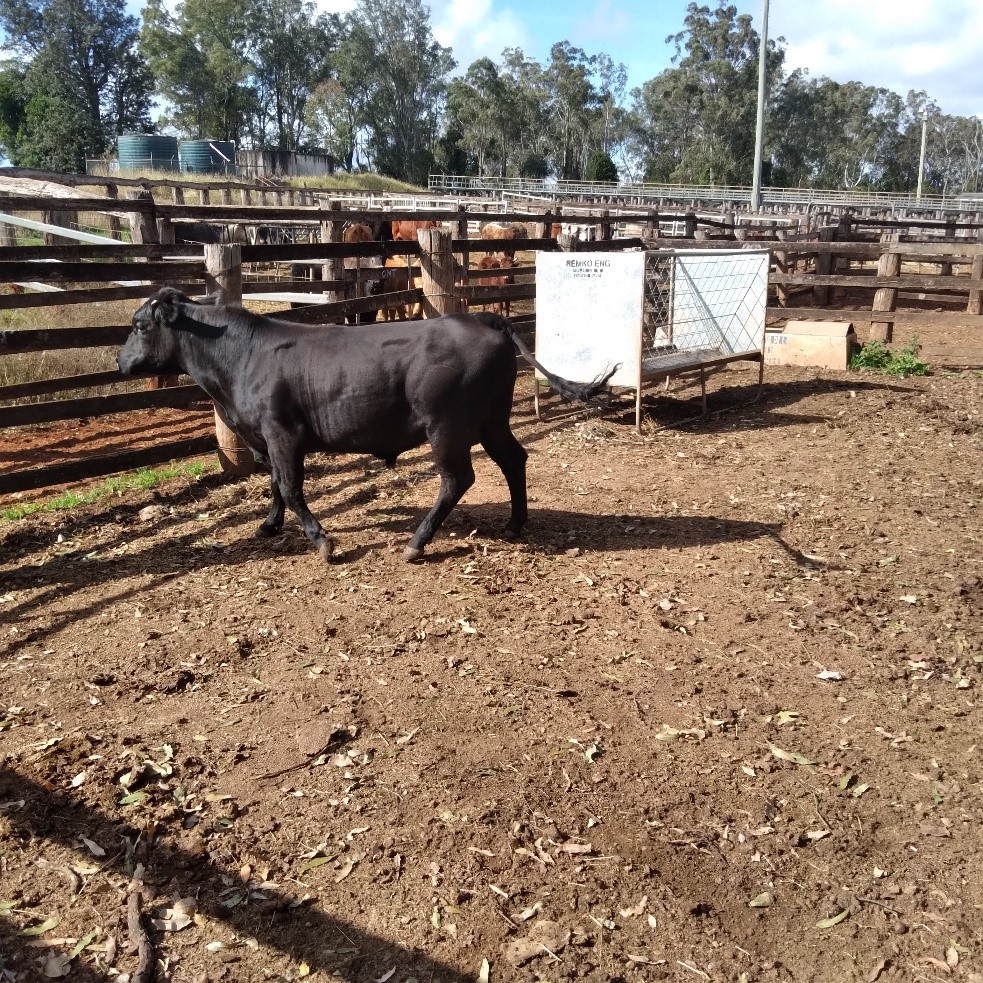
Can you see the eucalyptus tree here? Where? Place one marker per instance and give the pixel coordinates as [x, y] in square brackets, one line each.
[699, 115]
[201, 58]
[484, 108]
[396, 73]
[530, 103]
[291, 57]
[612, 82]
[81, 78]
[953, 154]
[840, 135]
[331, 118]
[574, 105]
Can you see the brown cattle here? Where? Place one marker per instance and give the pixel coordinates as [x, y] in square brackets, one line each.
[363, 285]
[357, 232]
[504, 232]
[406, 231]
[497, 263]
[579, 231]
[399, 279]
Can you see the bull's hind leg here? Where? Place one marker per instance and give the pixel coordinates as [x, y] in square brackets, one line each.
[456, 477]
[502, 447]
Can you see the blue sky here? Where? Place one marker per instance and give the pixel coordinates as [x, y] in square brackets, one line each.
[935, 45]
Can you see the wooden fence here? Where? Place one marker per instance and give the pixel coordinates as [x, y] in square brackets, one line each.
[856, 253]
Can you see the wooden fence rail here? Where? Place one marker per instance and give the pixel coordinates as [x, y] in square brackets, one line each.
[803, 261]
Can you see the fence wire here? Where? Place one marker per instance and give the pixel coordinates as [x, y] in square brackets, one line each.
[706, 304]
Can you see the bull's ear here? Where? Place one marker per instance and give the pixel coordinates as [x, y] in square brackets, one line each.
[211, 300]
[165, 308]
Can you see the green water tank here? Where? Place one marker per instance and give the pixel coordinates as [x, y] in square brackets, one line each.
[207, 156]
[147, 151]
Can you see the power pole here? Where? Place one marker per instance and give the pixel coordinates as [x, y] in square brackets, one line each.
[759, 128]
[921, 156]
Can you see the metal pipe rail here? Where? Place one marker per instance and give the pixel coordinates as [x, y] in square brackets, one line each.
[470, 184]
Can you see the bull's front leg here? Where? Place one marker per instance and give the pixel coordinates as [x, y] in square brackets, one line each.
[273, 523]
[287, 460]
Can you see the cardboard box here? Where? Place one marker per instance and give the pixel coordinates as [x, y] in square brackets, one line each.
[824, 344]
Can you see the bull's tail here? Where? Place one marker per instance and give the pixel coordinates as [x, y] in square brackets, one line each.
[582, 392]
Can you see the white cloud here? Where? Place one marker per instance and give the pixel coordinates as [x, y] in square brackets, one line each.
[608, 24]
[932, 46]
[473, 30]
[335, 6]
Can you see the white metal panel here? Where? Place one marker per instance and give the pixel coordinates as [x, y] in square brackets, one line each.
[719, 299]
[588, 314]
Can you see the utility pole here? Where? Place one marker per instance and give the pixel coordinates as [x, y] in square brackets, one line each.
[921, 156]
[759, 128]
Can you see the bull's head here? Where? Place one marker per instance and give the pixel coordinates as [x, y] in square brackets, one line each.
[152, 346]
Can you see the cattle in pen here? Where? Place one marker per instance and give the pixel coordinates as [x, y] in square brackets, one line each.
[288, 390]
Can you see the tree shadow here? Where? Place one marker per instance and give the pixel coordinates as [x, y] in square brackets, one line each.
[302, 932]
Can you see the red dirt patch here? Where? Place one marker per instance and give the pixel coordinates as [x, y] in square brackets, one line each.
[616, 726]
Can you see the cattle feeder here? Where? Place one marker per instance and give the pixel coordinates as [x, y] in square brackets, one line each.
[655, 314]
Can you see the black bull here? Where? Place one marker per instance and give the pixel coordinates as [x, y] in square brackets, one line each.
[289, 389]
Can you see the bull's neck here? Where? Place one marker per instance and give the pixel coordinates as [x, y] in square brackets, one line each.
[212, 352]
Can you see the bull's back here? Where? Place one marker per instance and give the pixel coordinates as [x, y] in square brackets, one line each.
[382, 389]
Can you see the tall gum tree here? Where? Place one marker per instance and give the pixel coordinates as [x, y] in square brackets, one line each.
[397, 73]
[79, 61]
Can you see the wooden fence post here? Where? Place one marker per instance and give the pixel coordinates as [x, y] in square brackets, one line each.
[165, 232]
[333, 231]
[824, 262]
[945, 269]
[114, 227]
[974, 306]
[143, 225]
[689, 220]
[781, 266]
[886, 298]
[437, 268]
[604, 228]
[62, 219]
[462, 233]
[223, 274]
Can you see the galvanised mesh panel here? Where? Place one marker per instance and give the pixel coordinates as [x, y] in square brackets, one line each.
[704, 302]
[657, 311]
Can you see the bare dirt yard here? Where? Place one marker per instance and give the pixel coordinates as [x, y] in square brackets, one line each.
[715, 717]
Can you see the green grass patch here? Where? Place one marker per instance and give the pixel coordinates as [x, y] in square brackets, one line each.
[355, 182]
[875, 355]
[143, 479]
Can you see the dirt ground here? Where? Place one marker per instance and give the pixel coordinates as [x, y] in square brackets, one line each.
[715, 717]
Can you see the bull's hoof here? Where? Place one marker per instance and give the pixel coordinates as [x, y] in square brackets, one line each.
[325, 549]
[265, 531]
[412, 554]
